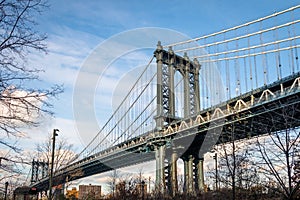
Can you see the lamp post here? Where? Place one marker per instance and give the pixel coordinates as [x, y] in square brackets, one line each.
[149, 184]
[52, 162]
[143, 187]
[5, 192]
[216, 168]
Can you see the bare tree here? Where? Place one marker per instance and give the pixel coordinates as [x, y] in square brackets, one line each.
[21, 103]
[277, 158]
[112, 181]
[128, 186]
[13, 168]
[234, 173]
[63, 155]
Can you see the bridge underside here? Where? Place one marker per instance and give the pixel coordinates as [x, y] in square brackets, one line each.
[279, 112]
[269, 116]
[98, 166]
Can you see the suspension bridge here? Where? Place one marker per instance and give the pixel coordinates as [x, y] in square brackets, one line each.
[233, 84]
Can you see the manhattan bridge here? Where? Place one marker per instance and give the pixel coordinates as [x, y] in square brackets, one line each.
[195, 94]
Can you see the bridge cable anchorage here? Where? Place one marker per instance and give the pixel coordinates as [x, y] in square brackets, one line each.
[234, 28]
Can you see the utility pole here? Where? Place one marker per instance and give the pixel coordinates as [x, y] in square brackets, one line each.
[149, 184]
[52, 162]
[5, 192]
[216, 168]
[143, 189]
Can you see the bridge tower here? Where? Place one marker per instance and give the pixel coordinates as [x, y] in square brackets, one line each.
[36, 166]
[167, 64]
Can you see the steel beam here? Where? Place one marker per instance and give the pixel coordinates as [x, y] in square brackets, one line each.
[186, 87]
[191, 188]
[173, 178]
[159, 88]
[200, 174]
[171, 84]
[188, 175]
[197, 68]
[160, 183]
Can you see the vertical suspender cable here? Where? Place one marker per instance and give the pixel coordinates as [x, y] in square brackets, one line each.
[245, 73]
[294, 41]
[227, 73]
[211, 76]
[245, 63]
[255, 71]
[278, 62]
[250, 64]
[263, 59]
[216, 83]
[207, 78]
[291, 52]
[267, 68]
[237, 68]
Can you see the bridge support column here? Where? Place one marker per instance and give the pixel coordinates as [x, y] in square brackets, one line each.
[159, 88]
[186, 87]
[173, 177]
[188, 175]
[185, 173]
[199, 178]
[191, 188]
[196, 85]
[160, 183]
[171, 84]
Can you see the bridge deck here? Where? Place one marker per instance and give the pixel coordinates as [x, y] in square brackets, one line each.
[260, 111]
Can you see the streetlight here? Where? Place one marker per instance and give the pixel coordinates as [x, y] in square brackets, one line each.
[216, 168]
[52, 162]
[5, 193]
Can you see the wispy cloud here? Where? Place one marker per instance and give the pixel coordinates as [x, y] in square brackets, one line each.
[67, 49]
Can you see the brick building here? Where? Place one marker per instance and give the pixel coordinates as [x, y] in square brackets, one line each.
[89, 191]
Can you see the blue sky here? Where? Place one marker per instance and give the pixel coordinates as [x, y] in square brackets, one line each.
[194, 17]
[75, 28]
